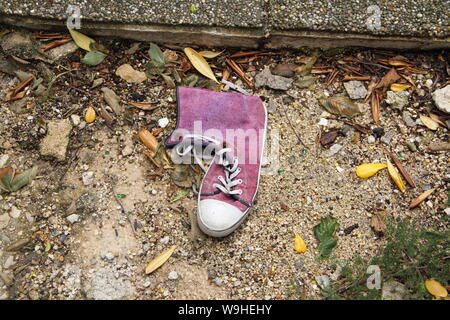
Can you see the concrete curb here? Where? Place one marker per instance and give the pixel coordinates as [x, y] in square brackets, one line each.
[233, 37]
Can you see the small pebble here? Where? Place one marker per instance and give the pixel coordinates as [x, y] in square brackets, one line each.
[163, 122]
[14, 213]
[164, 240]
[173, 275]
[73, 218]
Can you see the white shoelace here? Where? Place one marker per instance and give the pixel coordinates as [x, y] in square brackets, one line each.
[231, 169]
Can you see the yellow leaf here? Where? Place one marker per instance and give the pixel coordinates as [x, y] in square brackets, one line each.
[299, 244]
[396, 87]
[435, 288]
[210, 54]
[429, 123]
[395, 176]
[90, 115]
[159, 260]
[84, 42]
[200, 63]
[149, 140]
[367, 170]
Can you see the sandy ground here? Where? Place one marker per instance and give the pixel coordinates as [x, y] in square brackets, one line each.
[103, 255]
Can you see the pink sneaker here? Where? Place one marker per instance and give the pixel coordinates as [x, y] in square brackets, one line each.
[228, 129]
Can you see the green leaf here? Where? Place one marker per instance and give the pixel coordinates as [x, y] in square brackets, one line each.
[23, 179]
[93, 58]
[180, 195]
[324, 233]
[168, 80]
[193, 8]
[176, 75]
[6, 177]
[48, 246]
[120, 196]
[153, 70]
[156, 54]
[191, 80]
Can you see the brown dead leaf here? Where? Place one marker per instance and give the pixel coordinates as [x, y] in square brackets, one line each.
[375, 104]
[359, 78]
[226, 74]
[396, 62]
[437, 119]
[147, 106]
[388, 79]
[170, 56]
[252, 53]
[329, 137]
[421, 198]
[378, 222]
[109, 119]
[233, 65]
[55, 44]
[21, 85]
[148, 139]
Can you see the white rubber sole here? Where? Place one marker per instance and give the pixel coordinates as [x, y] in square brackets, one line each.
[220, 233]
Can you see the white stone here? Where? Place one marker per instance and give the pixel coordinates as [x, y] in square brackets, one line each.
[57, 139]
[173, 275]
[441, 98]
[109, 256]
[9, 262]
[4, 160]
[393, 290]
[323, 281]
[335, 148]
[88, 178]
[165, 240]
[29, 217]
[73, 218]
[163, 122]
[127, 150]
[323, 122]
[397, 100]
[75, 119]
[355, 89]
[4, 220]
[14, 213]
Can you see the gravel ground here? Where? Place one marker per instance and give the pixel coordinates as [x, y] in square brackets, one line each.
[96, 254]
[398, 17]
[422, 18]
[226, 13]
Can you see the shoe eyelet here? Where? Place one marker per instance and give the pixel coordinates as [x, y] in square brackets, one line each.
[240, 181]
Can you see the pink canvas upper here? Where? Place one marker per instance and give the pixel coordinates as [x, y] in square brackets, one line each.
[233, 118]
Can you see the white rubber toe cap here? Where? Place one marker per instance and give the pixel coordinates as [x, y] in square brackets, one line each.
[217, 218]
